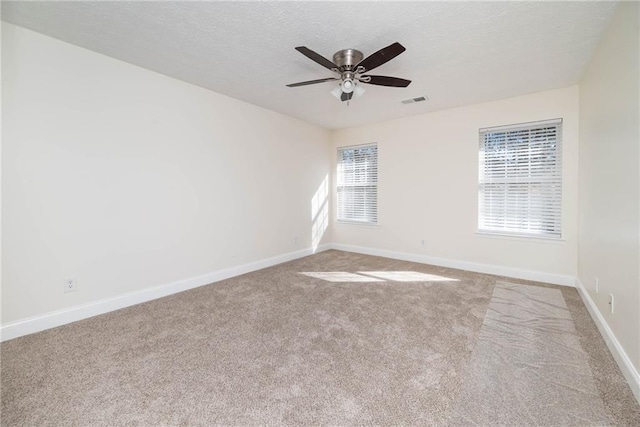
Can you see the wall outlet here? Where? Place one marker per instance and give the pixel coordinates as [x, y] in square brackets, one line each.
[70, 284]
[422, 242]
[611, 302]
[597, 285]
[295, 240]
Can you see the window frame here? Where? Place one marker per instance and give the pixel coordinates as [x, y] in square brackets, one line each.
[339, 177]
[553, 182]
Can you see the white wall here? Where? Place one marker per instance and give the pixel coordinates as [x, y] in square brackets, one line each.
[609, 195]
[428, 186]
[1, 173]
[129, 179]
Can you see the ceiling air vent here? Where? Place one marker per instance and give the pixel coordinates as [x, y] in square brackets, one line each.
[412, 100]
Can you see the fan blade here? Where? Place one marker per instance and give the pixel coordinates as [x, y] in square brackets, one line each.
[346, 96]
[382, 56]
[386, 81]
[316, 57]
[312, 82]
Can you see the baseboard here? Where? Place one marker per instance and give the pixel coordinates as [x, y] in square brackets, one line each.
[61, 317]
[538, 276]
[624, 363]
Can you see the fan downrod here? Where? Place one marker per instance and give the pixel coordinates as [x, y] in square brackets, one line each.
[347, 59]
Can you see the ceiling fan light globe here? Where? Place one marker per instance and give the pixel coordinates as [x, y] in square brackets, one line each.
[348, 85]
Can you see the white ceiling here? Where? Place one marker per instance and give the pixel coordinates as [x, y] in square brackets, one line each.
[458, 53]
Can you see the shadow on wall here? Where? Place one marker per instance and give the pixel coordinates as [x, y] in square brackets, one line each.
[319, 213]
[378, 276]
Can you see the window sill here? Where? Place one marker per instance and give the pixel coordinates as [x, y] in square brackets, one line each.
[521, 238]
[358, 223]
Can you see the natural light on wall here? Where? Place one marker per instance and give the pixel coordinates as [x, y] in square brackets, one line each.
[319, 213]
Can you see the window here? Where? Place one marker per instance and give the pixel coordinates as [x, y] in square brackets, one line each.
[358, 184]
[520, 183]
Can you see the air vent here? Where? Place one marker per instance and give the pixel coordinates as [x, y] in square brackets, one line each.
[412, 100]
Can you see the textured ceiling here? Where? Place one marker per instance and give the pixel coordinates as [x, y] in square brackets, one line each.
[458, 53]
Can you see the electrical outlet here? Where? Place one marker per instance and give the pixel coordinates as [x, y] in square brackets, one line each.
[70, 284]
[597, 285]
[295, 240]
[422, 242]
[611, 302]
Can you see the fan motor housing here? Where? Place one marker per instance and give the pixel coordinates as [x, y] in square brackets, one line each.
[347, 59]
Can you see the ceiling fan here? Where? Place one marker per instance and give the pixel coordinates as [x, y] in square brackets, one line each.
[351, 66]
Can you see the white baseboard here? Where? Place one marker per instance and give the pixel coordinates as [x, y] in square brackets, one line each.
[61, 317]
[538, 276]
[624, 363]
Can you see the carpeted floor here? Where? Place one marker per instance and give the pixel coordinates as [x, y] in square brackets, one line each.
[336, 338]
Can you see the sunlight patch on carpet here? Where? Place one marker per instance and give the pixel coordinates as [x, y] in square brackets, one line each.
[378, 276]
[408, 276]
[340, 276]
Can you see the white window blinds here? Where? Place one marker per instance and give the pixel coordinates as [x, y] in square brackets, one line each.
[520, 182]
[357, 184]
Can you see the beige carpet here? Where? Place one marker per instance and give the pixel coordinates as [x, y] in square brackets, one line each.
[335, 338]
